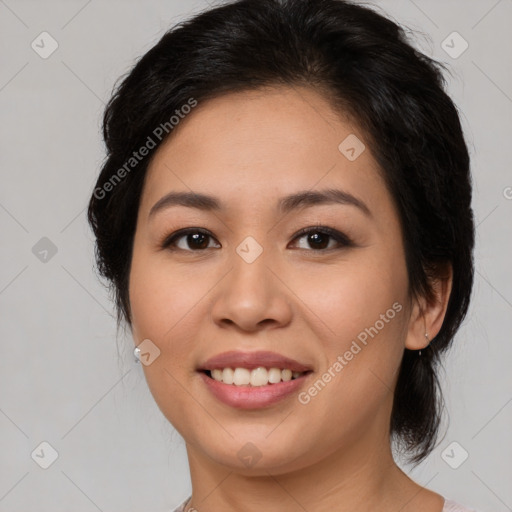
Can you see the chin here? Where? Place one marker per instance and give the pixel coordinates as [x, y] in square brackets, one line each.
[255, 455]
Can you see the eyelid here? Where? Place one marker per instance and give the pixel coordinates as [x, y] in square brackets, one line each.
[176, 235]
[340, 237]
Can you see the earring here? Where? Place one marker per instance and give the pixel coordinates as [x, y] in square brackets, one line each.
[426, 336]
[136, 353]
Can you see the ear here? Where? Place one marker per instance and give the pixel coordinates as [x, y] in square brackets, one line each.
[427, 315]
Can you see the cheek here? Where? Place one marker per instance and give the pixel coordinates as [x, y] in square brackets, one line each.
[361, 315]
[162, 301]
[161, 296]
[348, 298]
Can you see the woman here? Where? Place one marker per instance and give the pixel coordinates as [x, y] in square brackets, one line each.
[285, 218]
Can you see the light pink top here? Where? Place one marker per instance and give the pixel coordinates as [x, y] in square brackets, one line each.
[452, 506]
[449, 506]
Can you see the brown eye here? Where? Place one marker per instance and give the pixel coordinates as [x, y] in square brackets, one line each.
[318, 238]
[195, 240]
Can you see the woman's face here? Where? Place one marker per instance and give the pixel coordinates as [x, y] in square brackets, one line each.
[244, 280]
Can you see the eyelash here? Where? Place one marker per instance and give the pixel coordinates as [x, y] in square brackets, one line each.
[342, 239]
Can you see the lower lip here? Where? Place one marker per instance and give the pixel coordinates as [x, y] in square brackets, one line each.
[252, 397]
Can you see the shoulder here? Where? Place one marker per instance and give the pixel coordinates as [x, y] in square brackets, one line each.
[452, 506]
[449, 506]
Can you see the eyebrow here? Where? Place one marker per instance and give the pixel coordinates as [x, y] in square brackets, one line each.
[301, 199]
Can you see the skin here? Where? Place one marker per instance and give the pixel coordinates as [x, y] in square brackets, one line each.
[249, 149]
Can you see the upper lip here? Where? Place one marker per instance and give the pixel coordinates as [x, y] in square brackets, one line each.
[251, 360]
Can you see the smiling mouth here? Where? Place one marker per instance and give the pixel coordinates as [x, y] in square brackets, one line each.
[255, 377]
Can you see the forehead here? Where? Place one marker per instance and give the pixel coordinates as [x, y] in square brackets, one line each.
[254, 146]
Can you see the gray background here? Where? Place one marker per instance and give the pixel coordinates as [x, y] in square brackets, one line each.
[63, 377]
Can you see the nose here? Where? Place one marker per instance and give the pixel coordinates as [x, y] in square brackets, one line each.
[252, 296]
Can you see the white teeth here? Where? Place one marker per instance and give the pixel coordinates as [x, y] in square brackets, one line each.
[227, 375]
[257, 377]
[241, 377]
[217, 374]
[274, 375]
[286, 375]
